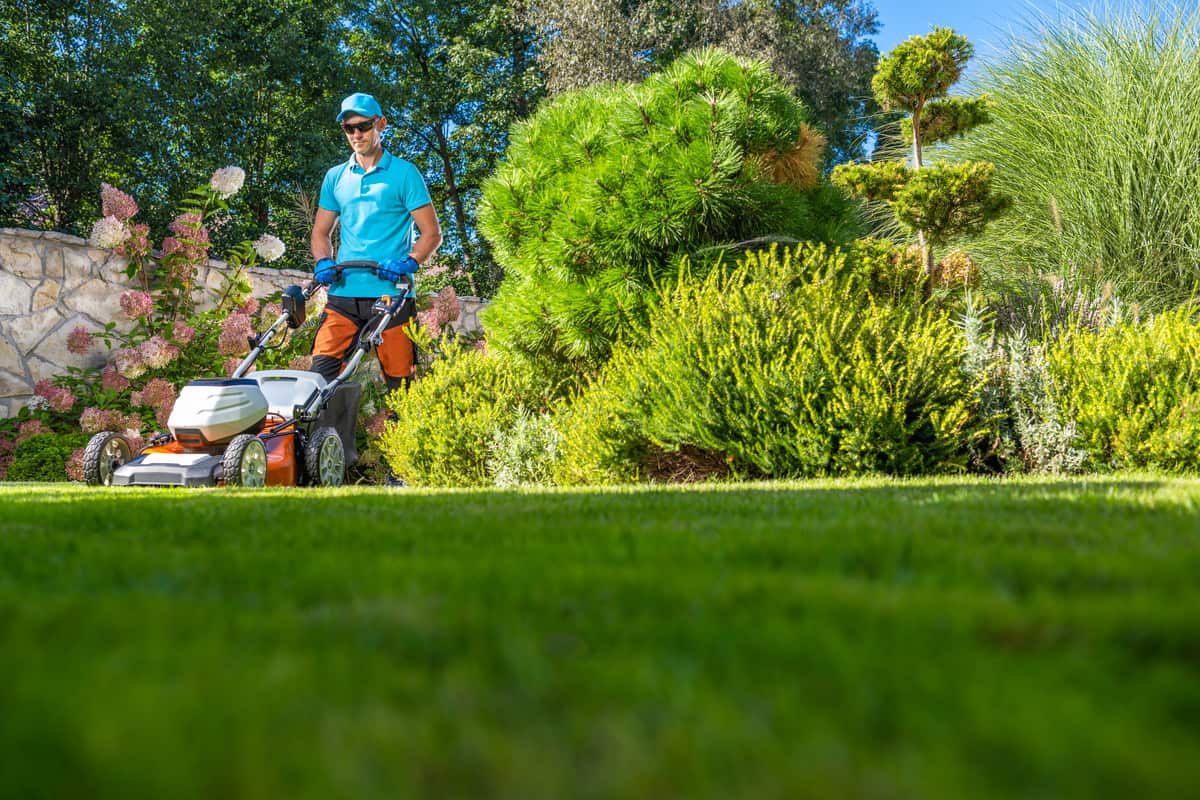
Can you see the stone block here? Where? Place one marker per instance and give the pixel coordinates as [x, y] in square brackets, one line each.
[45, 295]
[41, 369]
[96, 299]
[52, 261]
[111, 267]
[34, 328]
[53, 348]
[15, 294]
[78, 266]
[10, 359]
[20, 256]
[13, 385]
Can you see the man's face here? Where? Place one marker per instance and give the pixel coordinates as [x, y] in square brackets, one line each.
[363, 142]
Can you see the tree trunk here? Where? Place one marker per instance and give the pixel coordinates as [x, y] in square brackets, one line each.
[918, 163]
[460, 213]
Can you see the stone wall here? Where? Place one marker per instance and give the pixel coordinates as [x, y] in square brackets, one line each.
[50, 283]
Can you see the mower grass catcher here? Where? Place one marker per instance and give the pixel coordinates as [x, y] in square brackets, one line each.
[279, 427]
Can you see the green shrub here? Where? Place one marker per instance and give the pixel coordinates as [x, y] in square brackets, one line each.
[782, 366]
[1134, 391]
[446, 419]
[605, 189]
[1093, 132]
[43, 457]
[524, 453]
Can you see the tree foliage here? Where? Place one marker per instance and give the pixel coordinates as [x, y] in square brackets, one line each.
[606, 188]
[940, 201]
[819, 49]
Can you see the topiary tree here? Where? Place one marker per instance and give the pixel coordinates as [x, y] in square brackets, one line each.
[606, 188]
[937, 201]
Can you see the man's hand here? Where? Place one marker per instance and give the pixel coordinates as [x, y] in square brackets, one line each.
[325, 271]
[391, 270]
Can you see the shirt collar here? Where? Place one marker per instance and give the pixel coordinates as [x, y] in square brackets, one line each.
[385, 161]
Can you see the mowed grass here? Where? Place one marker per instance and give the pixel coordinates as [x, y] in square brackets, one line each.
[939, 638]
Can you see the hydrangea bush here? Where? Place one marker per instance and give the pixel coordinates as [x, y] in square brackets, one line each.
[166, 342]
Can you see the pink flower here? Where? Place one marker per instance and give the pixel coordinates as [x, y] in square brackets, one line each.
[129, 362]
[250, 306]
[30, 428]
[235, 331]
[171, 245]
[157, 352]
[79, 340]
[138, 243]
[231, 364]
[136, 304]
[429, 319]
[186, 225]
[115, 203]
[94, 420]
[272, 310]
[480, 345]
[447, 306]
[112, 381]
[159, 395]
[301, 362]
[57, 398]
[182, 333]
[74, 465]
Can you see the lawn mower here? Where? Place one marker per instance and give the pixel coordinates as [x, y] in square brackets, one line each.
[277, 427]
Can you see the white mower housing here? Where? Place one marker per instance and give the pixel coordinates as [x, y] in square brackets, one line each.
[217, 409]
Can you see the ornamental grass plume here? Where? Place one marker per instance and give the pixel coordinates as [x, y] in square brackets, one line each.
[227, 181]
[79, 340]
[108, 232]
[115, 203]
[269, 248]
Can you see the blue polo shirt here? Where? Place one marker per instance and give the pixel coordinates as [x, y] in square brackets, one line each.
[376, 215]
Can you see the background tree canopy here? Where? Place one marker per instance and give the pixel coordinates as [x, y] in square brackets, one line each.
[152, 100]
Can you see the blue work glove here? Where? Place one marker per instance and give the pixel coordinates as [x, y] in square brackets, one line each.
[325, 271]
[391, 270]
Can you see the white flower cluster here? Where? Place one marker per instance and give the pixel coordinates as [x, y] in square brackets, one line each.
[227, 181]
[108, 232]
[268, 247]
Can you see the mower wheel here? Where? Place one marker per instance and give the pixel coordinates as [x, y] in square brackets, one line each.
[325, 459]
[245, 461]
[105, 452]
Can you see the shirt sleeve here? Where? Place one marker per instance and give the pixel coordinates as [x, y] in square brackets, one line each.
[328, 200]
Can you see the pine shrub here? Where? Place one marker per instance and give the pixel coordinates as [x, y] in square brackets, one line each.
[605, 189]
[1134, 391]
[782, 366]
[445, 421]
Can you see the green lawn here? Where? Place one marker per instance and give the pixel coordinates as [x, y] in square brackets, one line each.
[938, 638]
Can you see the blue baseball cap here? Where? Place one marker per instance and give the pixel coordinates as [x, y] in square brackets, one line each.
[361, 104]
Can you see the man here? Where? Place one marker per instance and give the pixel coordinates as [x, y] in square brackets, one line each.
[380, 199]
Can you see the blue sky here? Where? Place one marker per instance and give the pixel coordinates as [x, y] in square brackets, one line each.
[985, 24]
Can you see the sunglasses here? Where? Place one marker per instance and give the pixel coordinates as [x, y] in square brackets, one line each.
[361, 127]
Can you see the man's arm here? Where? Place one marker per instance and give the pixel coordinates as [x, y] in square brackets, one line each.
[425, 218]
[322, 233]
